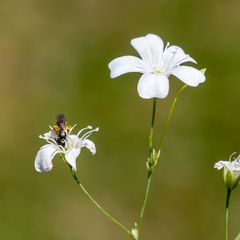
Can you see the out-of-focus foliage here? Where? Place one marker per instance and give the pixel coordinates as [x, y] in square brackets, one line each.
[53, 58]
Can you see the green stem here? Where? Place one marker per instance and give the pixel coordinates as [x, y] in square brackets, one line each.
[97, 204]
[144, 202]
[140, 218]
[226, 213]
[165, 128]
[152, 126]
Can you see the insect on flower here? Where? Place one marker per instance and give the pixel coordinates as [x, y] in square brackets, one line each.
[60, 140]
[61, 129]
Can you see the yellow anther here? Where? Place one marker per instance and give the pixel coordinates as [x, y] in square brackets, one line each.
[68, 128]
[56, 128]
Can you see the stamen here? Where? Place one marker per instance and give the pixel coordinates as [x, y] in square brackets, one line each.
[238, 157]
[56, 128]
[70, 130]
[167, 45]
[87, 134]
[88, 127]
[231, 156]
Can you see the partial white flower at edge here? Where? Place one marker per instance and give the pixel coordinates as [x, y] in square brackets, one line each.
[231, 172]
[71, 150]
[156, 64]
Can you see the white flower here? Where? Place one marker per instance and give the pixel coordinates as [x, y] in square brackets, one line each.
[231, 172]
[156, 64]
[70, 150]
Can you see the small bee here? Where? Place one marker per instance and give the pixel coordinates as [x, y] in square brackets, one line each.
[61, 129]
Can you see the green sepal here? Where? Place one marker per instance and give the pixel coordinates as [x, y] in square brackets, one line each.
[230, 182]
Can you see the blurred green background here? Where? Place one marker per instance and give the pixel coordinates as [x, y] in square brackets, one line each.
[53, 58]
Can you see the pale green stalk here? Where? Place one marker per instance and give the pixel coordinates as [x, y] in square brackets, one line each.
[108, 215]
[149, 177]
[165, 128]
[140, 218]
[226, 213]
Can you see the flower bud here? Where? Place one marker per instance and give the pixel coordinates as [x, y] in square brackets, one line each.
[231, 172]
[152, 160]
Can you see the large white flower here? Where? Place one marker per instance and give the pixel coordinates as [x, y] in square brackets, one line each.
[70, 150]
[231, 172]
[156, 64]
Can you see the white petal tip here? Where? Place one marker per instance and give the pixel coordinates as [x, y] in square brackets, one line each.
[219, 165]
[45, 171]
[42, 169]
[112, 75]
[37, 169]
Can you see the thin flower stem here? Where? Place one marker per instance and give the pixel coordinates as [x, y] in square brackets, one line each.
[151, 149]
[165, 128]
[116, 222]
[149, 173]
[144, 202]
[226, 213]
[108, 215]
[152, 125]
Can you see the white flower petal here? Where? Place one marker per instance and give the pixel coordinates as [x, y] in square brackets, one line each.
[150, 48]
[71, 156]
[126, 64]
[189, 75]
[235, 165]
[221, 164]
[175, 56]
[43, 160]
[89, 145]
[236, 174]
[49, 137]
[230, 166]
[73, 141]
[153, 85]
